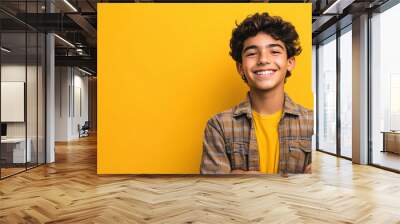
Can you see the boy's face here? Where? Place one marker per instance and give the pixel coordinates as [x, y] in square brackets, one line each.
[264, 62]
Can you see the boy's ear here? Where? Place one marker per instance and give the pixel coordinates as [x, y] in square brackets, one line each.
[291, 64]
[239, 68]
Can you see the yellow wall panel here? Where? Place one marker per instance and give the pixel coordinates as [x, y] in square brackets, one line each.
[165, 69]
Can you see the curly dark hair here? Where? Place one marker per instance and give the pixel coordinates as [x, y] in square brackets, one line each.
[271, 25]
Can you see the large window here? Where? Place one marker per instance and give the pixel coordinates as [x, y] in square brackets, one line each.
[345, 43]
[327, 95]
[385, 89]
[330, 68]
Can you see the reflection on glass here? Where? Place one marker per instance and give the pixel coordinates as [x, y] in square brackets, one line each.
[327, 96]
[22, 91]
[346, 94]
[31, 101]
[385, 86]
[41, 97]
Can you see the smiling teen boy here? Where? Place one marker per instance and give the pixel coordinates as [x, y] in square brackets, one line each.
[268, 132]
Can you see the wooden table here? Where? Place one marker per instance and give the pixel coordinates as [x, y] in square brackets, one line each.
[13, 150]
[391, 141]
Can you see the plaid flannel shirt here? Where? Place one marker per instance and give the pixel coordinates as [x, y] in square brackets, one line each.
[230, 141]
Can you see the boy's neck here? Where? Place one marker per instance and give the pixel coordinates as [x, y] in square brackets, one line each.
[267, 102]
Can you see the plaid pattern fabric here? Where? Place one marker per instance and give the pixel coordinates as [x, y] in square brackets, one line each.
[230, 141]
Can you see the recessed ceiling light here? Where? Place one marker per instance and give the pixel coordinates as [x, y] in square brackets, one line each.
[84, 71]
[64, 40]
[5, 50]
[71, 6]
[337, 7]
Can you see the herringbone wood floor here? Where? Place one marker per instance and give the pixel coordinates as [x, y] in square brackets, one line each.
[70, 191]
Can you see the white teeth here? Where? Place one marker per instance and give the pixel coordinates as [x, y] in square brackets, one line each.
[267, 72]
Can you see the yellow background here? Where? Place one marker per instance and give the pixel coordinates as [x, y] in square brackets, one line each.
[165, 69]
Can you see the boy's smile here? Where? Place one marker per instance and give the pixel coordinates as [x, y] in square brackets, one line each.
[264, 73]
[264, 62]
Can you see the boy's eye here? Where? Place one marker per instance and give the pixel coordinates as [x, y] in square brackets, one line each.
[276, 52]
[251, 54]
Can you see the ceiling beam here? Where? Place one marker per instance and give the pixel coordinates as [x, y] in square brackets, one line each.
[83, 61]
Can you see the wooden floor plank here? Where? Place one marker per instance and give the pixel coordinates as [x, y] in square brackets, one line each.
[70, 191]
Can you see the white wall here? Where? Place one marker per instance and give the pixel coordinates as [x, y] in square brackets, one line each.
[62, 80]
[79, 117]
[16, 73]
[71, 93]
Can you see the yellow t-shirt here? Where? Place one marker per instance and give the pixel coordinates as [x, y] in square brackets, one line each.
[266, 127]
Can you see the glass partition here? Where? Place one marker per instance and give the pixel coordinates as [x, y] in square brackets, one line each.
[22, 88]
[14, 153]
[41, 85]
[32, 95]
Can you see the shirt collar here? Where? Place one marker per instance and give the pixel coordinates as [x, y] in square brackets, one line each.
[289, 107]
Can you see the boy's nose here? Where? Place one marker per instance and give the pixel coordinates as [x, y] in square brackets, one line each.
[263, 59]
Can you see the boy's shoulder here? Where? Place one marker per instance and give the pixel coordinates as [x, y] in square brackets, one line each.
[223, 117]
[244, 108]
[293, 107]
[229, 118]
[304, 111]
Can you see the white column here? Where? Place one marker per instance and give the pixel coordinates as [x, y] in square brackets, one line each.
[50, 92]
[50, 100]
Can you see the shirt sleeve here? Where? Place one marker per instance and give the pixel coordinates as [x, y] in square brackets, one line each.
[214, 158]
[310, 121]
